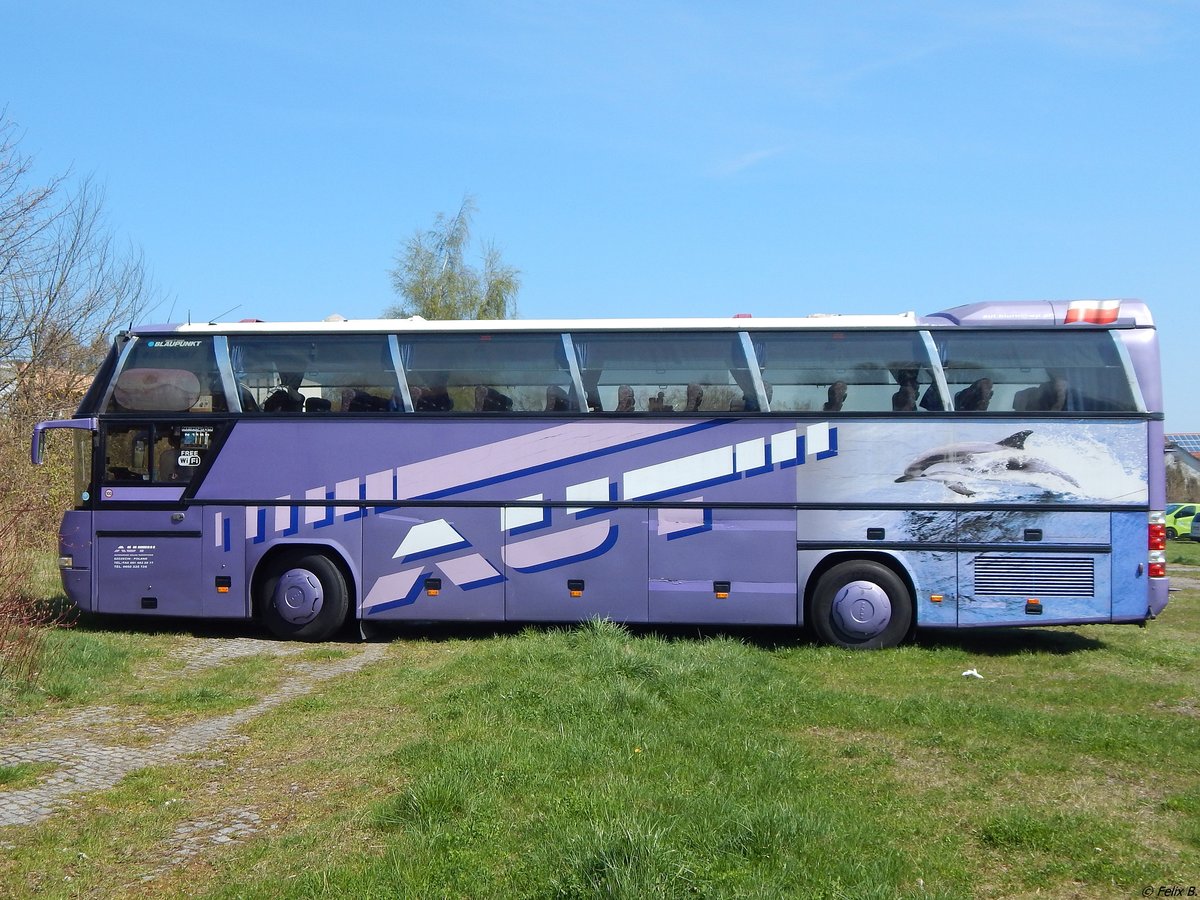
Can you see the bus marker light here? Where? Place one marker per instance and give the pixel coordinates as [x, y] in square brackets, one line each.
[575, 587]
[224, 582]
[433, 586]
[721, 589]
[1033, 607]
[935, 598]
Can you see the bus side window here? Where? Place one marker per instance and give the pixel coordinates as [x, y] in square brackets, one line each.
[1035, 371]
[487, 373]
[127, 451]
[844, 371]
[291, 373]
[684, 372]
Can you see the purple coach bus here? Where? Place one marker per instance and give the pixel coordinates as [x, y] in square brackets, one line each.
[993, 464]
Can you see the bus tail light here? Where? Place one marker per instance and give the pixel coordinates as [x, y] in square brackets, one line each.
[1158, 536]
[1157, 543]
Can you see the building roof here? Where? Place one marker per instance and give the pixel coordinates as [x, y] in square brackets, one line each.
[1187, 441]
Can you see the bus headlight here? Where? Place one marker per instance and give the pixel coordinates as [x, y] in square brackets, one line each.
[66, 562]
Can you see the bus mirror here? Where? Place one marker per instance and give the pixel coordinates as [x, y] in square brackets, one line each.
[37, 447]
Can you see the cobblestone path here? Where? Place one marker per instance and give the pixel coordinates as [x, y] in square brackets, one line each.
[86, 748]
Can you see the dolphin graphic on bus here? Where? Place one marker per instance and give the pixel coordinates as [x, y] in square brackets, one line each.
[1006, 461]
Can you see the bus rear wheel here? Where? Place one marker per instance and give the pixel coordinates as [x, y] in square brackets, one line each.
[861, 605]
[304, 597]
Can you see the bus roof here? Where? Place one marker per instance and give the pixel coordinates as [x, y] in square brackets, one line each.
[1011, 314]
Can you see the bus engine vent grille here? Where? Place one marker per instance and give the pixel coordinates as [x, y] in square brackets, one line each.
[1035, 576]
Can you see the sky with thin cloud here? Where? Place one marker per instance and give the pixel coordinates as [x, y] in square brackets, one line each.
[637, 158]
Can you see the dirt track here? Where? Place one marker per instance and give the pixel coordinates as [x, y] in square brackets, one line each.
[91, 750]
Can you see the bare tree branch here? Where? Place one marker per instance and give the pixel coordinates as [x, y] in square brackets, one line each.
[65, 286]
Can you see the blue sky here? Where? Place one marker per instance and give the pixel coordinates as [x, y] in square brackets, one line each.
[638, 158]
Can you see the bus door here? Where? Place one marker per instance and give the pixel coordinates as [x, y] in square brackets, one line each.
[432, 563]
[1021, 568]
[148, 548]
[732, 566]
[566, 564]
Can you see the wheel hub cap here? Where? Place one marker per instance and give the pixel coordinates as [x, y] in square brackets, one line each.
[862, 609]
[298, 596]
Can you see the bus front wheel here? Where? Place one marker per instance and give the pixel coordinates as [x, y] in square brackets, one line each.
[304, 597]
[861, 605]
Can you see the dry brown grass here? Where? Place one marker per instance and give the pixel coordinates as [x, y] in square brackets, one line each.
[31, 503]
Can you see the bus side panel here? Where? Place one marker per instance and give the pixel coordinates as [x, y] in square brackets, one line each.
[997, 588]
[335, 532]
[544, 566]
[921, 541]
[224, 588]
[1130, 580]
[431, 563]
[693, 552]
[75, 541]
[1061, 560]
[148, 562]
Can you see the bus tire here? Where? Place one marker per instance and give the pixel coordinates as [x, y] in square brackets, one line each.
[304, 597]
[861, 605]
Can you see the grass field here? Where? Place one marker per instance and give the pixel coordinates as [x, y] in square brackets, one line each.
[598, 761]
[1183, 552]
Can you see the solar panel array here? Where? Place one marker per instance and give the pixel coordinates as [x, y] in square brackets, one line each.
[1189, 441]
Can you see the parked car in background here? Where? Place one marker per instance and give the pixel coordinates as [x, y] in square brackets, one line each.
[1180, 519]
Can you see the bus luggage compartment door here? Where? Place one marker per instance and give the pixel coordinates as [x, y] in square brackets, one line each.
[724, 566]
[576, 565]
[1054, 567]
[1017, 588]
[432, 563]
[151, 569]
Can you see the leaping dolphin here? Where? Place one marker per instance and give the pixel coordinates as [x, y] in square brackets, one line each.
[955, 464]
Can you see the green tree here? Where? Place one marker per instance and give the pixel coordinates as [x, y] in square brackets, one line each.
[434, 280]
